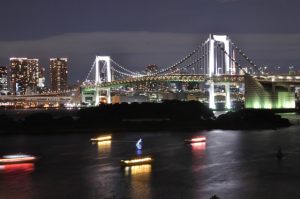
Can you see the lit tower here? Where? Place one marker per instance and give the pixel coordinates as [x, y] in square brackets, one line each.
[103, 74]
[219, 63]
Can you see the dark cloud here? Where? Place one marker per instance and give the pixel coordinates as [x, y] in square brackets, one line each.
[32, 19]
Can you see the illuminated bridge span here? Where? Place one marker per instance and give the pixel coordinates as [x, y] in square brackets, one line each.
[171, 78]
[279, 79]
[217, 61]
[36, 98]
[40, 100]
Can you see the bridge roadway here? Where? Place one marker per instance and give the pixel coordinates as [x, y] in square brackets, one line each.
[281, 79]
[37, 98]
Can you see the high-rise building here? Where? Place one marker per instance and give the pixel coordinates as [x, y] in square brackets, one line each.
[59, 74]
[3, 79]
[41, 87]
[151, 69]
[24, 75]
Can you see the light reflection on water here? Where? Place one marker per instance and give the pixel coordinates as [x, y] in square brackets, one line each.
[198, 147]
[140, 176]
[104, 147]
[230, 164]
[18, 168]
[138, 169]
[17, 181]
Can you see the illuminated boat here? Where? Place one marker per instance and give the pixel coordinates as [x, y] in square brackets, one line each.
[137, 161]
[195, 140]
[18, 158]
[101, 138]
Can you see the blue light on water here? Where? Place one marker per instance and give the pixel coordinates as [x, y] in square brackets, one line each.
[139, 152]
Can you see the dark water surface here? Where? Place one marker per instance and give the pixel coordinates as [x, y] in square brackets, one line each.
[232, 164]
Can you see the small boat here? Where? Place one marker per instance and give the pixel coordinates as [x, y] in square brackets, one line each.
[17, 158]
[139, 144]
[101, 138]
[137, 161]
[195, 140]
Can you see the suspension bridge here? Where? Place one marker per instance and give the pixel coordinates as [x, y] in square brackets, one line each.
[216, 62]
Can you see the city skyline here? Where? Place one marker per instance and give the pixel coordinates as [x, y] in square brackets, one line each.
[26, 75]
[132, 34]
[149, 99]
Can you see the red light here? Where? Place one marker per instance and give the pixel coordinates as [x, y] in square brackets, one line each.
[198, 146]
[25, 167]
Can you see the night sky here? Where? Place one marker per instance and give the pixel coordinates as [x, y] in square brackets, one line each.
[141, 32]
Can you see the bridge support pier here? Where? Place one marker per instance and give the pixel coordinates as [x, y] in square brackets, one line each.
[227, 101]
[97, 101]
[100, 95]
[108, 96]
[212, 104]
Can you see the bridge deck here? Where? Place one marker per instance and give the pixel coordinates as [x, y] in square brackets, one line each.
[287, 79]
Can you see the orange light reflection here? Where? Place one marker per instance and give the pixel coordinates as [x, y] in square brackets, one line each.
[138, 169]
[104, 146]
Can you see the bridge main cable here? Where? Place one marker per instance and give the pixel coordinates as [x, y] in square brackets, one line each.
[243, 54]
[179, 62]
[125, 69]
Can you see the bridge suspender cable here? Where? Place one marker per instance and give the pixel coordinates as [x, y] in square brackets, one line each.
[234, 60]
[179, 62]
[93, 66]
[243, 54]
[187, 66]
[231, 58]
[125, 69]
[122, 73]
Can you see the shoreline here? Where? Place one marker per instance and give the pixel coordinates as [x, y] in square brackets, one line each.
[168, 116]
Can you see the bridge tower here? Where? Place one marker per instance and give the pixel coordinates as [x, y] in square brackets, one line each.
[218, 63]
[102, 74]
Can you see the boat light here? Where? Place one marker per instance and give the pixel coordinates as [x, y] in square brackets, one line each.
[199, 139]
[16, 158]
[101, 138]
[137, 161]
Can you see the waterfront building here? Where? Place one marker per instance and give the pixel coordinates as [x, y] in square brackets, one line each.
[59, 74]
[3, 79]
[24, 75]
